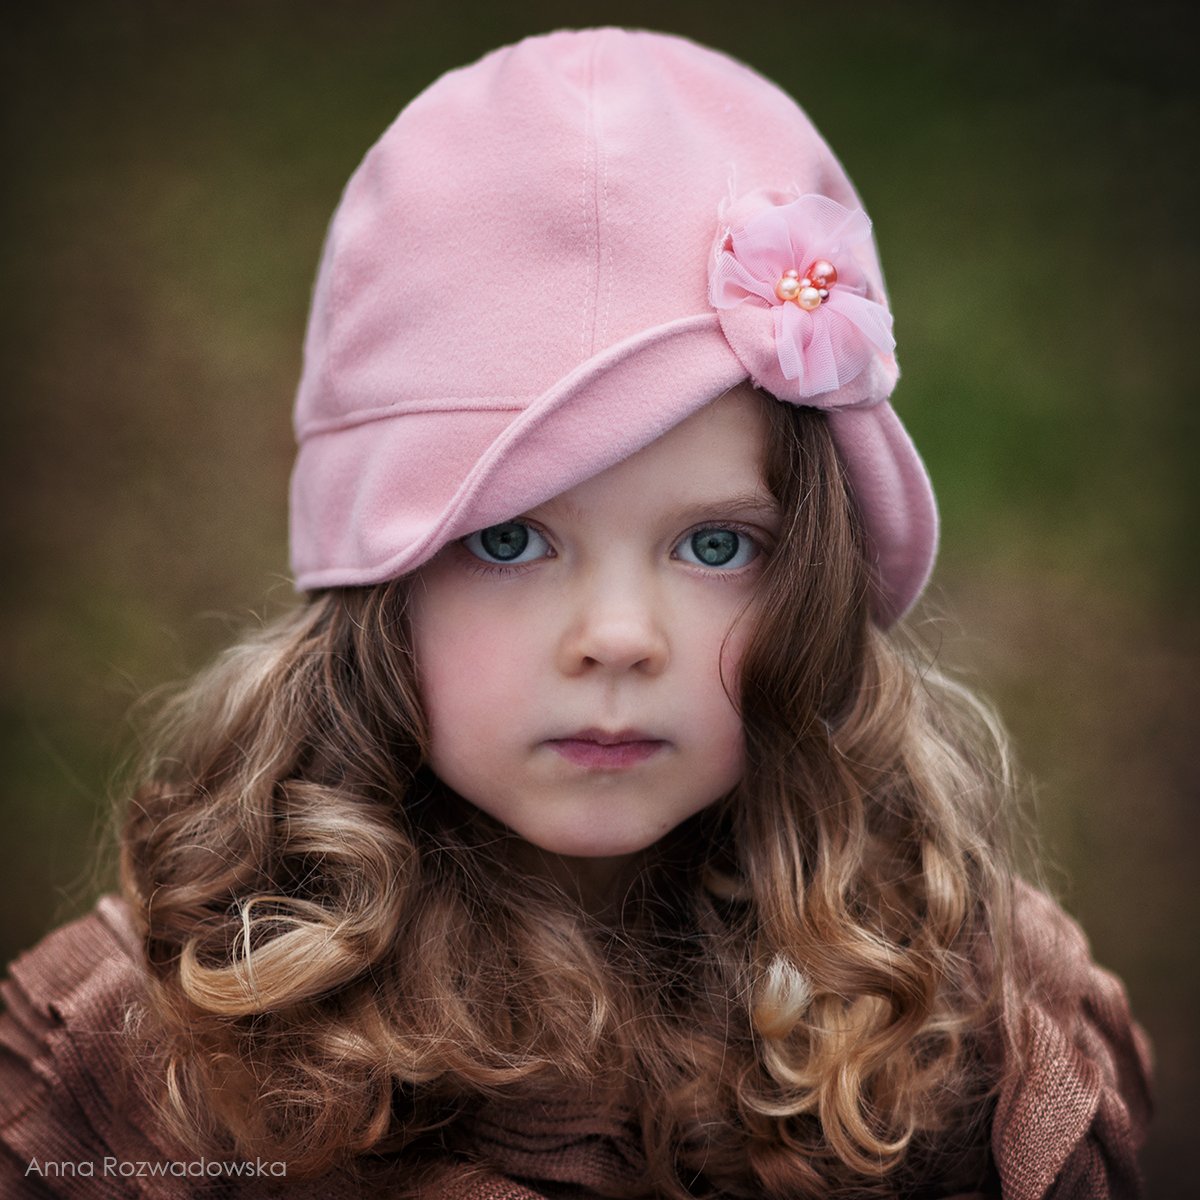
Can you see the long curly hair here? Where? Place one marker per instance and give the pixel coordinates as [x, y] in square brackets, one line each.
[803, 980]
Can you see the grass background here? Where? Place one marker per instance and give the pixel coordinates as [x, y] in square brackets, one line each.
[1032, 174]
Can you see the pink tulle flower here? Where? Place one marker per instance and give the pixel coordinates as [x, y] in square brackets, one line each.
[802, 264]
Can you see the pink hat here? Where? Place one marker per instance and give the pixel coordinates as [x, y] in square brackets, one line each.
[551, 258]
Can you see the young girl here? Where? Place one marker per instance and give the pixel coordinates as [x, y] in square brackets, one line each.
[587, 831]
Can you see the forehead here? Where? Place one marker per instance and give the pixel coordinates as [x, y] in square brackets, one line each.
[715, 456]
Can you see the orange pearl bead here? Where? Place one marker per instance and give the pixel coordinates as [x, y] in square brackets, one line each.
[809, 298]
[788, 288]
[822, 273]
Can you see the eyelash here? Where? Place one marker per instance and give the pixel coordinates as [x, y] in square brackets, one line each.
[477, 566]
[497, 570]
[717, 572]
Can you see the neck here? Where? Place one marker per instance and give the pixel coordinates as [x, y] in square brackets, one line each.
[597, 885]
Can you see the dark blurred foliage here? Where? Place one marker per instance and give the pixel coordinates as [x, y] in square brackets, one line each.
[1032, 172]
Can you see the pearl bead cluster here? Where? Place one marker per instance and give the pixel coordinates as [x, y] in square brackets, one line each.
[811, 289]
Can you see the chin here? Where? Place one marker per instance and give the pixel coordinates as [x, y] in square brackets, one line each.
[610, 843]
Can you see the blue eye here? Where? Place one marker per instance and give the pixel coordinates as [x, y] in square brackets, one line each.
[514, 542]
[718, 547]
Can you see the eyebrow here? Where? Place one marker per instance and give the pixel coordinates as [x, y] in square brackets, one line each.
[749, 505]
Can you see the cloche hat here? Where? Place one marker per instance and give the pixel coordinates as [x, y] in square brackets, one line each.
[555, 255]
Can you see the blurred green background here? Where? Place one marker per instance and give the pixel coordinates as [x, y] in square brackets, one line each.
[1032, 173]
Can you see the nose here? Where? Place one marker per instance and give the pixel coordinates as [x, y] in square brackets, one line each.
[616, 625]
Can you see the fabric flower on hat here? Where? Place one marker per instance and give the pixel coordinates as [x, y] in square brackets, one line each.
[795, 303]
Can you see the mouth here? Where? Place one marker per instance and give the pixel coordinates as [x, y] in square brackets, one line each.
[605, 750]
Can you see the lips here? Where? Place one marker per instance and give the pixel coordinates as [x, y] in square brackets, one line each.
[601, 749]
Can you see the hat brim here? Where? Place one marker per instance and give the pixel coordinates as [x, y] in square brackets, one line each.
[393, 491]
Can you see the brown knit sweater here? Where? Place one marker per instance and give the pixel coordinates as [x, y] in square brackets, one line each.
[72, 1124]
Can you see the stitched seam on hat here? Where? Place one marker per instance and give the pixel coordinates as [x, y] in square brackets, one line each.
[601, 226]
[587, 328]
[451, 404]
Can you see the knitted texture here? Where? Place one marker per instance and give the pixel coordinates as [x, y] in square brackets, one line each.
[1068, 1123]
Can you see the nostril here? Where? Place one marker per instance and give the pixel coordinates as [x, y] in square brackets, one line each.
[625, 645]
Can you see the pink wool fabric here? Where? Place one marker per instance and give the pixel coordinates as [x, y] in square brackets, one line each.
[517, 291]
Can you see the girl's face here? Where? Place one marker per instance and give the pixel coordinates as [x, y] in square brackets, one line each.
[571, 661]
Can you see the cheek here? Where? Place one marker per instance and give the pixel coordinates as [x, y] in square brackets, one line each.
[471, 664]
[717, 697]
[724, 637]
